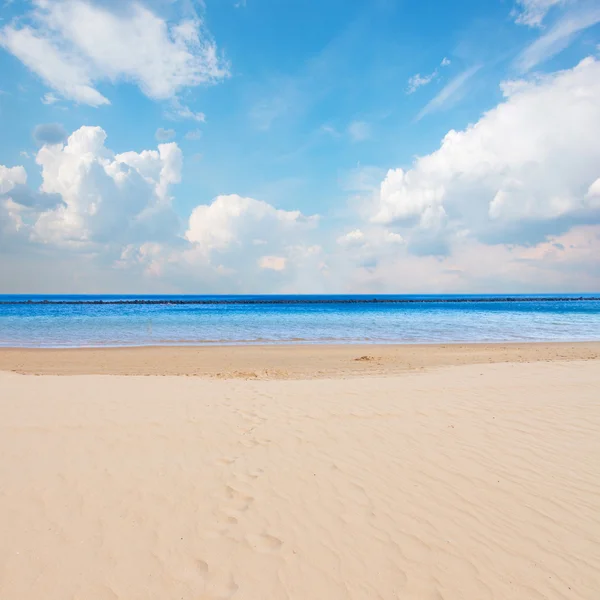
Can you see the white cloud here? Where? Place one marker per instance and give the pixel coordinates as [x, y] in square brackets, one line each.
[11, 220]
[49, 98]
[67, 74]
[558, 37]
[594, 191]
[233, 220]
[521, 173]
[450, 93]
[507, 204]
[18, 203]
[153, 258]
[116, 209]
[418, 80]
[237, 238]
[107, 197]
[390, 237]
[562, 264]
[10, 177]
[231, 241]
[359, 131]
[353, 238]
[371, 244]
[532, 12]
[179, 110]
[73, 45]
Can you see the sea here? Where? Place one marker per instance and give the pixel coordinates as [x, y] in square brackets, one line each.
[97, 321]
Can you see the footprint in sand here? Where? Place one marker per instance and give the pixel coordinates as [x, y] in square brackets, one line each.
[238, 500]
[250, 476]
[215, 585]
[235, 504]
[264, 542]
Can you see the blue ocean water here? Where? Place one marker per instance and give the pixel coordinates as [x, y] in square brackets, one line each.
[68, 321]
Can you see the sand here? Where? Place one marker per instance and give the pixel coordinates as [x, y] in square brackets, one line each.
[282, 362]
[470, 482]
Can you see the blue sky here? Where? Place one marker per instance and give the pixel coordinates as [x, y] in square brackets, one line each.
[305, 146]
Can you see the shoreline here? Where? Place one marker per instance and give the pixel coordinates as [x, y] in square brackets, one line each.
[301, 342]
[284, 361]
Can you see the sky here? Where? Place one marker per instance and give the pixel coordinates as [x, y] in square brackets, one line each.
[299, 146]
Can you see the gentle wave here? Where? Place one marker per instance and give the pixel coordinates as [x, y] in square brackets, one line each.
[98, 321]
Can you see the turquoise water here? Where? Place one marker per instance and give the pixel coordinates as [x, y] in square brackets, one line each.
[67, 321]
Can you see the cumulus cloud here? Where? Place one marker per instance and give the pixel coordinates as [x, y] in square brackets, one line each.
[116, 209]
[367, 248]
[106, 196]
[18, 203]
[524, 171]
[510, 203]
[73, 45]
[231, 243]
[239, 238]
[10, 177]
[594, 191]
[561, 264]
[152, 258]
[230, 220]
[353, 238]
[49, 133]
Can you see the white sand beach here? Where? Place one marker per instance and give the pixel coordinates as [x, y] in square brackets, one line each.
[471, 481]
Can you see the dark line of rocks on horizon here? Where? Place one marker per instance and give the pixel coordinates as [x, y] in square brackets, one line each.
[296, 301]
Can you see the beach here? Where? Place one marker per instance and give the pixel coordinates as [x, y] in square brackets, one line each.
[282, 361]
[435, 472]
